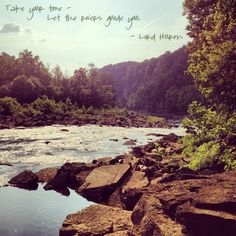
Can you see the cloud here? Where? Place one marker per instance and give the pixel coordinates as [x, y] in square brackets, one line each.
[10, 28]
[14, 28]
[43, 40]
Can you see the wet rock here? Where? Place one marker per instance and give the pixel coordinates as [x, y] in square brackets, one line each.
[26, 179]
[45, 175]
[156, 135]
[114, 139]
[5, 164]
[64, 130]
[97, 220]
[130, 142]
[102, 181]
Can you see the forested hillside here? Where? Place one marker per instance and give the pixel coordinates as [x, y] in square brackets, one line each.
[159, 85]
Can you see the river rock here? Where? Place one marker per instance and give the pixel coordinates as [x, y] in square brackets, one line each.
[67, 176]
[97, 220]
[45, 175]
[26, 179]
[130, 142]
[103, 161]
[102, 181]
[173, 138]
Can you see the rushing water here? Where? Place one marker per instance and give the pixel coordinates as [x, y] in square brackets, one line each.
[38, 212]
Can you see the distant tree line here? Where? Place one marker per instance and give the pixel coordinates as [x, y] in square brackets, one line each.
[26, 78]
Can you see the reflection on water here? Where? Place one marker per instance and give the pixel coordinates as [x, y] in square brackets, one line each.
[39, 213]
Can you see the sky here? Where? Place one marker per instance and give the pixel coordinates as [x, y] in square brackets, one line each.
[75, 44]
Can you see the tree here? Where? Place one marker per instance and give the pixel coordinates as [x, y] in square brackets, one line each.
[26, 90]
[213, 65]
[30, 65]
[213, 49]
[8, 68]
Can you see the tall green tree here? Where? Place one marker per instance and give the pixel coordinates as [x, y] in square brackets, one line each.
[212, 26]
[212, 128]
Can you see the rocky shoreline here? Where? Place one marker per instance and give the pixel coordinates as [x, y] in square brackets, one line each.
[149, 191]
[132, 119]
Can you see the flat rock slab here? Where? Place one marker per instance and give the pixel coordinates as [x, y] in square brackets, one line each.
[105, 176]
[102, 181]
[95, 220]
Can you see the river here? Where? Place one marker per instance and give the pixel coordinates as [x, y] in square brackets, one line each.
[26, 213]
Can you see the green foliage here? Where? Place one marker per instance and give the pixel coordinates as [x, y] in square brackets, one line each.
[213, 66]
[205, 155]
[47, 106]
[228, 157]
[160, 150]
[9, 106]
[206, 130]
[205, 124]
[213, 49]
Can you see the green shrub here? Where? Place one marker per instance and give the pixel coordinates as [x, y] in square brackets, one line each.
[205, 155]
[204, 142]
[9, 106]
[46, 105]
[229, 159]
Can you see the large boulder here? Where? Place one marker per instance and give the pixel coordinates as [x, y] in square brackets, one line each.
[26, 179]
[102, 181]
[213, 209]
[149, 219]
[97, 220]
[200, 221]
[67, 176]
[204, 205]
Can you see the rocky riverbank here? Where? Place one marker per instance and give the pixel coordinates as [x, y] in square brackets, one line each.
[148, 191]
[131, 119]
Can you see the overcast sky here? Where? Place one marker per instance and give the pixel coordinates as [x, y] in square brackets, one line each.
[75, 44]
